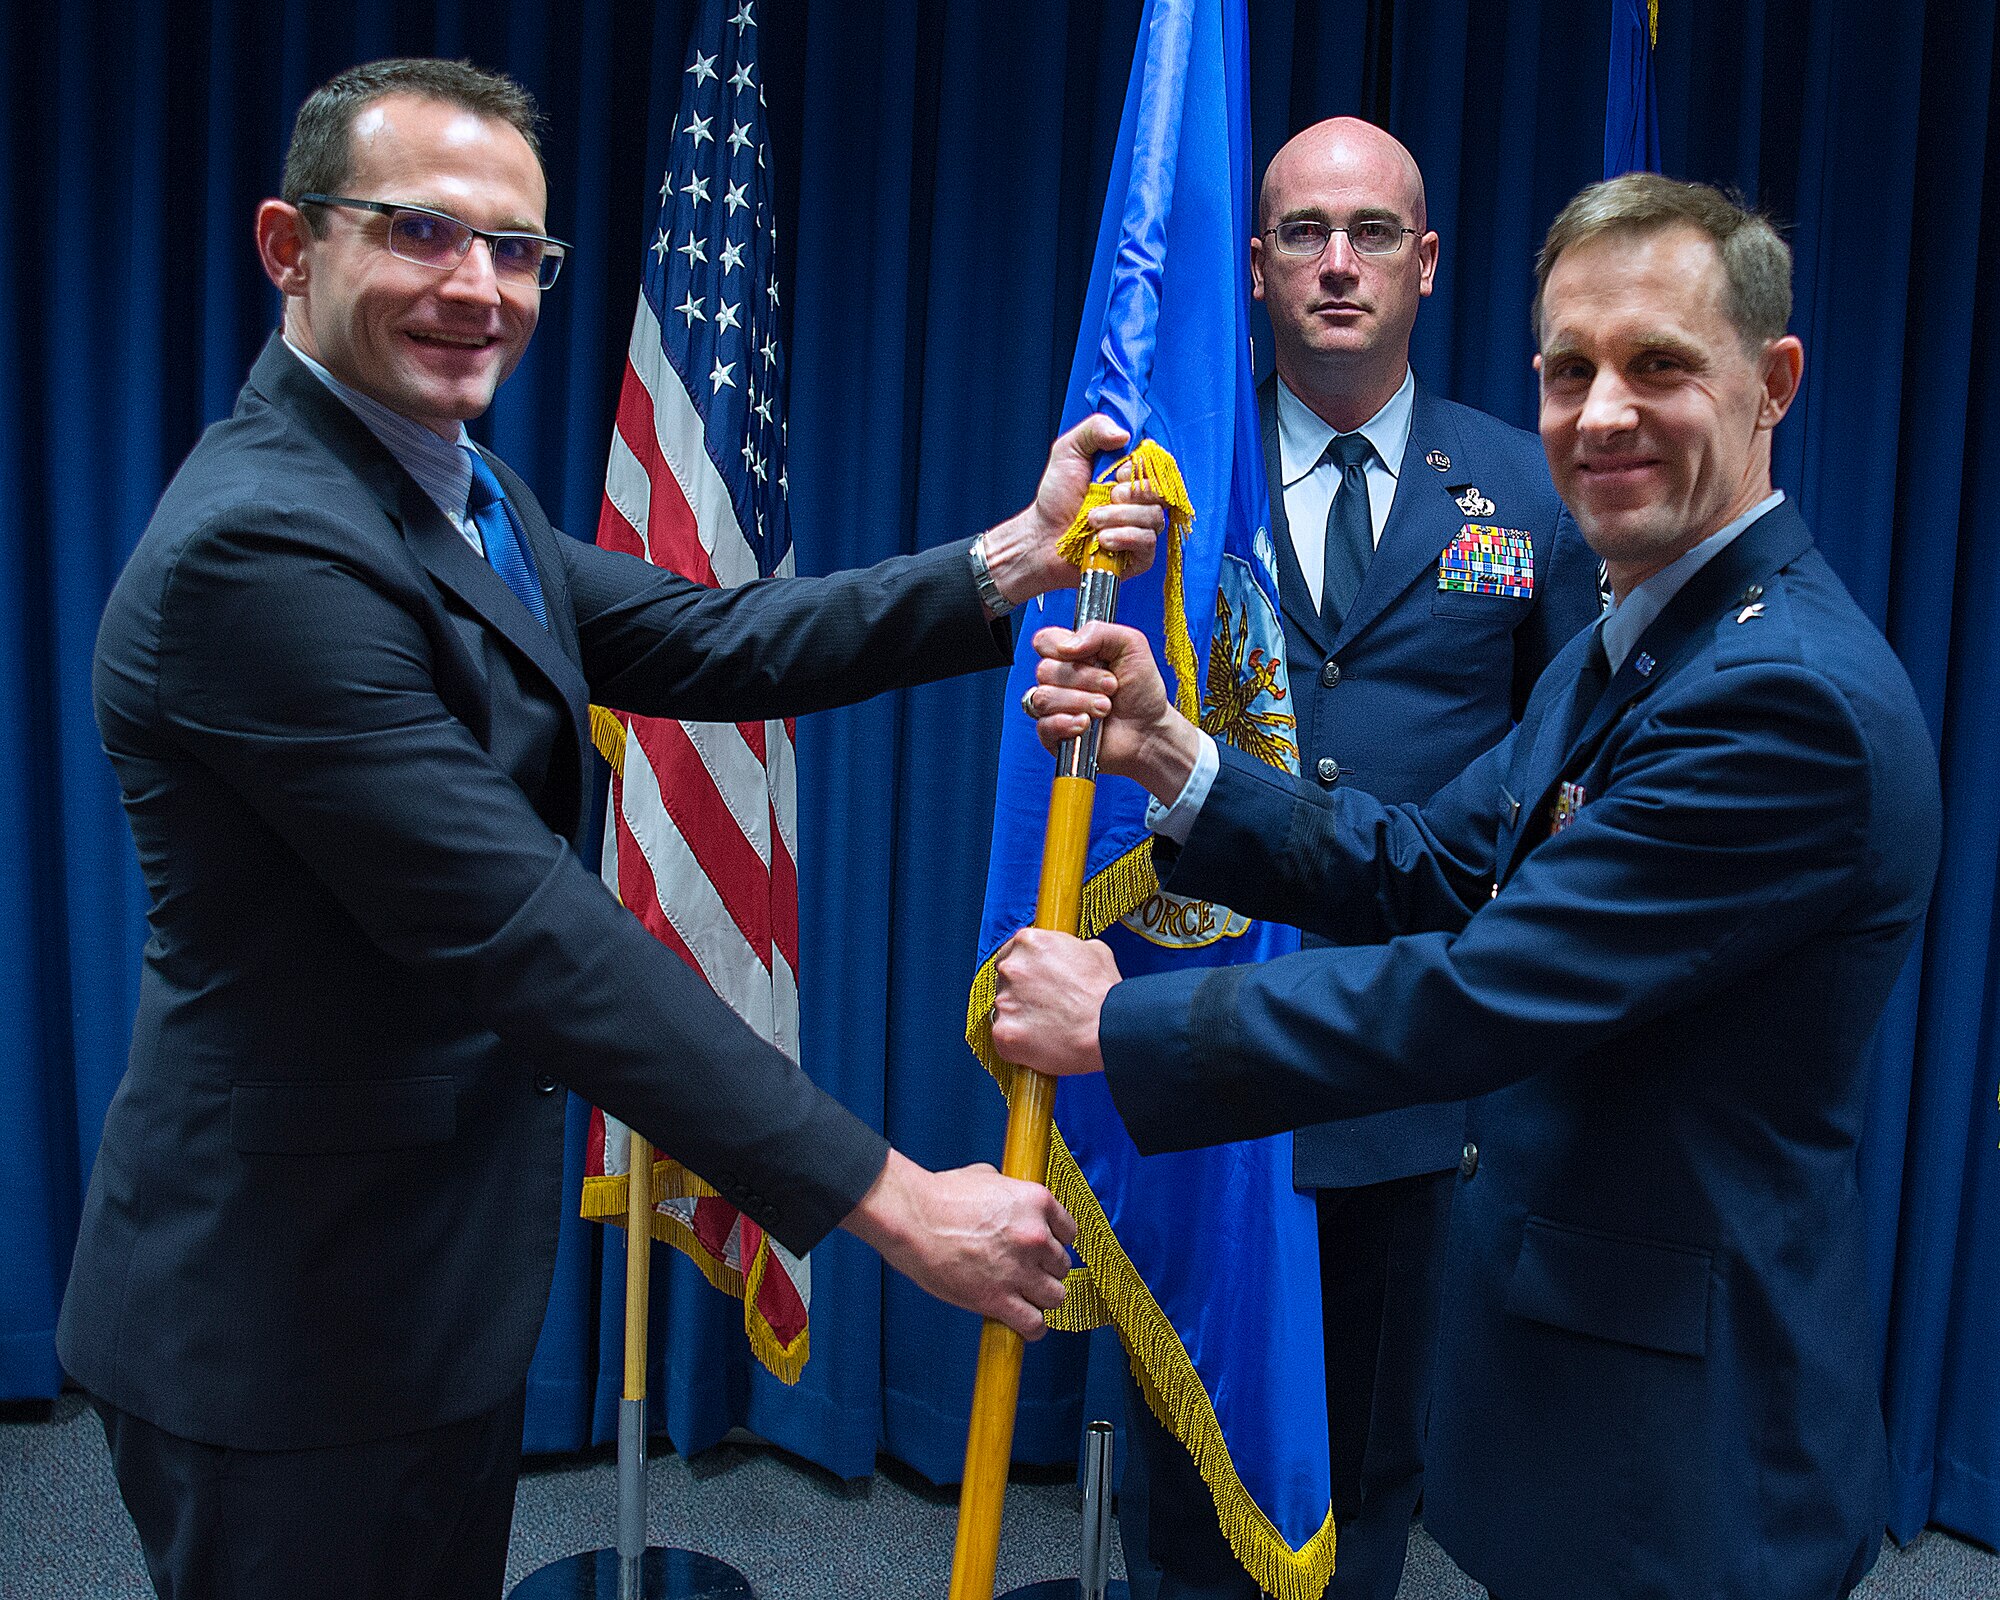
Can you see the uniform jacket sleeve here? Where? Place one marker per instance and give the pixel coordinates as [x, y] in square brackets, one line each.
[1727, 830]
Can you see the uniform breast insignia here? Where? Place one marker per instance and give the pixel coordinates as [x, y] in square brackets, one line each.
[1748, 612]
[1484, 559]
[1471, 501]
[1439, 460]
[1569, 801]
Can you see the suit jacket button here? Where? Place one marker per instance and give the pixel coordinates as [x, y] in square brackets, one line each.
[1329, 674]
[546, 1085]
[1328, 770]
[1468, 1161]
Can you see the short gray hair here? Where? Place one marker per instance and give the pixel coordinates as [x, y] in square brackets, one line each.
[1756, 262]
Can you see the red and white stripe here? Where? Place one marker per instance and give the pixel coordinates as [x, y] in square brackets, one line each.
[701, 837]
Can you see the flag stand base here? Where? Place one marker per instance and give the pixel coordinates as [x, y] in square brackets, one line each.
[656, 1575]
[632, 1571]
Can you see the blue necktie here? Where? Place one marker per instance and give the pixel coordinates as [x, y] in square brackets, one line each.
[500, 531]
[1591, 681]
[1350, 534]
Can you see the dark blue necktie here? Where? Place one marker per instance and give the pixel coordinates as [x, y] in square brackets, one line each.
[1591, 681]
[1350, 534]
[500, 531]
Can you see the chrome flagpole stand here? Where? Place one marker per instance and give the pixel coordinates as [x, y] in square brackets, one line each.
[1094, 1566]
[633, 1571]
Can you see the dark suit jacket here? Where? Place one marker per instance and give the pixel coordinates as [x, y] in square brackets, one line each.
[1655, 1372]
[1424, 680]
[326, 1202]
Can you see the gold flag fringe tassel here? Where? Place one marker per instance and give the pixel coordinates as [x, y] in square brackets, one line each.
[607, 732]
[1155, 467]
[604, 1201]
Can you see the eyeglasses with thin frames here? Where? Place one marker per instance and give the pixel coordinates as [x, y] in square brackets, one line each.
[1307, 236]
[438, 239]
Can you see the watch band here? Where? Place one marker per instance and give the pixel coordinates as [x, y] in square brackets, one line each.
[996, 603]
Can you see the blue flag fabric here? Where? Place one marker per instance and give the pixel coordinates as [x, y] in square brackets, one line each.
[1631, 104]
[1207, 1261]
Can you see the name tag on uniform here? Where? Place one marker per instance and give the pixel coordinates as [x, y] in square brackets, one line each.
[1487, 560]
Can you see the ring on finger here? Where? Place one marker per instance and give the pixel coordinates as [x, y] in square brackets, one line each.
[1028, 701]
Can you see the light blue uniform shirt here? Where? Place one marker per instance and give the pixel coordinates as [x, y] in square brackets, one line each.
[1309, 482]
[1629, 618]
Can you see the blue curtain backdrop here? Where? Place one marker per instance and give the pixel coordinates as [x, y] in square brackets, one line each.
[940, 167]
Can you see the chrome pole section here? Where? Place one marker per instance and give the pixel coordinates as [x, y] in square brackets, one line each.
[1094, 1570]
[1096, 601]
[631, 1497]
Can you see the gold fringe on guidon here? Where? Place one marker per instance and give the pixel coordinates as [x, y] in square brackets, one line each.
[604, 1200]
[1154, 466]
[1109, 1290]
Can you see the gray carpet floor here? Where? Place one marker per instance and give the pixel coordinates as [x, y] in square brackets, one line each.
[797, 1533]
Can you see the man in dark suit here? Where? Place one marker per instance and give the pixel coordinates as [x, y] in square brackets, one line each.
[1401, 671]
[1652, 928]
[344, 681]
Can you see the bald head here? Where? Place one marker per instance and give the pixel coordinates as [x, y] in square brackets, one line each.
[1340, 316]
[1357, 152]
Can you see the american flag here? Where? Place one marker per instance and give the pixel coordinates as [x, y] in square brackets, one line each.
[701, 834]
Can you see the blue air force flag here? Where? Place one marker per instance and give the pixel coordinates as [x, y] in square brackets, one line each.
[1631, 102]
[1206, 1260]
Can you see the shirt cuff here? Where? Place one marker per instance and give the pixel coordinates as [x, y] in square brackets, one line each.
[1176, 821]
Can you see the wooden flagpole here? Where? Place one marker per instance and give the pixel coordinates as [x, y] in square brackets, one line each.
[632, 1402]
[996, 1387]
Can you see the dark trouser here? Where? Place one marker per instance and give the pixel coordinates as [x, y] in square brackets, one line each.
[1381, 1258]
[424, 1516]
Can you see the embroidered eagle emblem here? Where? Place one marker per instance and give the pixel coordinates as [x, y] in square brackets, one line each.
[1244, 694]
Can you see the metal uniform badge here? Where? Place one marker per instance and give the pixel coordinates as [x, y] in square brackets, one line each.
[1569, 801]
[1471, 501]
[1439, 460]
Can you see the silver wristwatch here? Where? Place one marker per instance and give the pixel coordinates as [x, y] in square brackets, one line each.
[996, 603]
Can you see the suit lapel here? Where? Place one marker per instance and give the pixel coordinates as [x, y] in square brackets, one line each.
[1422, 518]
[1768, 544]
[456, 566]
[1293, 595]
[443, 551]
